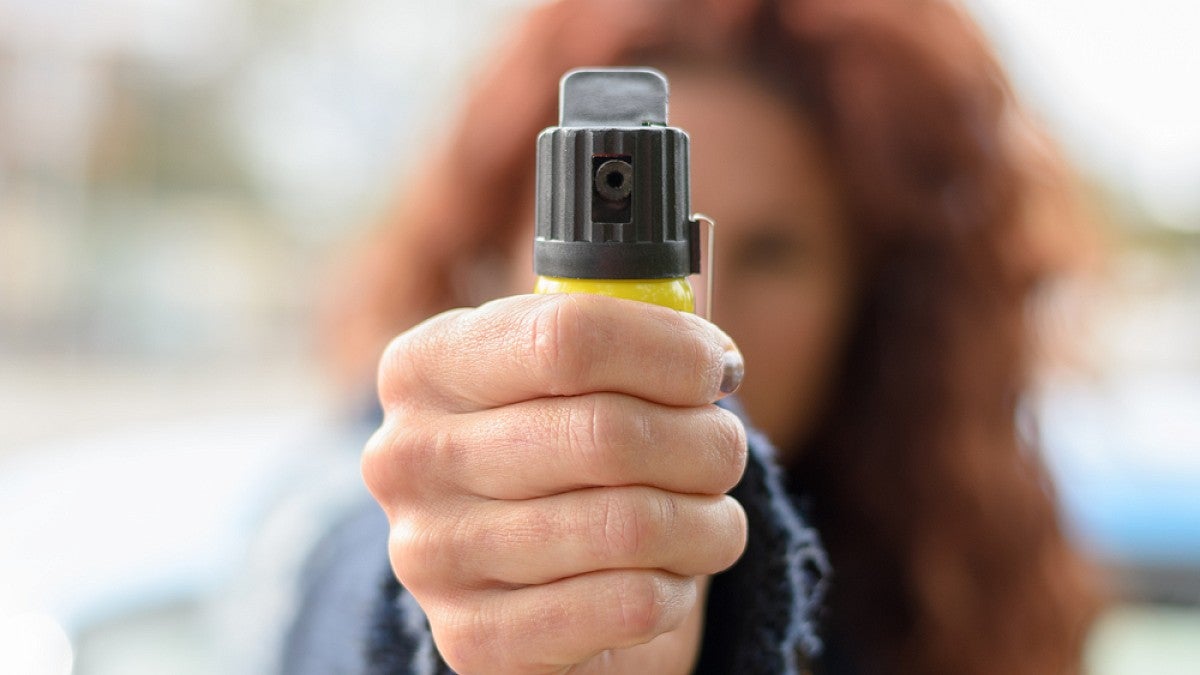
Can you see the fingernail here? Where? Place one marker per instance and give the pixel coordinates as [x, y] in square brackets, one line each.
[733, 369]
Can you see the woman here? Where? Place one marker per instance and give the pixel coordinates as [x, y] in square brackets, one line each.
[886, 215]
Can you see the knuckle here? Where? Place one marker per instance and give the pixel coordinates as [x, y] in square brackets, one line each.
[701, 365]
[430, 452]
[617, 528]
[556, 333]
[374, 464]
[391, 377]
[640, 606]
[462, 634]
[637, 429]
[412, 545]
[401, 455]
[600, 432]
[732, 449]
[379, 462]
[738, 532]
[431, 550]
[625, 523]
[583, 430]
[400, 379]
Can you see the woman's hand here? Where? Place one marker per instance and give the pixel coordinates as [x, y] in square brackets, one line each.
[554, 476]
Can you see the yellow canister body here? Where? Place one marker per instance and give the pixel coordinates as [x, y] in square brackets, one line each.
[673, 293]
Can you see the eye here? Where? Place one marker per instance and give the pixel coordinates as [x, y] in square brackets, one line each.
[772, 249]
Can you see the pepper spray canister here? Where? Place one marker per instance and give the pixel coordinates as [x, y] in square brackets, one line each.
[613, 199]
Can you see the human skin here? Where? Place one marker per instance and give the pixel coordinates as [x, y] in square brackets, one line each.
[555, 501]
[552, 467]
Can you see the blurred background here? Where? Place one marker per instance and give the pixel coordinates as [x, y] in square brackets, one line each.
[175, 173]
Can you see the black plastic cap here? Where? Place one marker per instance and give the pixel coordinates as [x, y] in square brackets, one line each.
[612, 182]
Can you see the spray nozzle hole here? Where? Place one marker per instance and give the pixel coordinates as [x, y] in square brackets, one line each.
[613, 179]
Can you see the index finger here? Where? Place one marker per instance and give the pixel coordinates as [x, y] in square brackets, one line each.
[532, 346]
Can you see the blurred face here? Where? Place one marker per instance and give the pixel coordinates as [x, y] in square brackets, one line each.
[784, 272]
[783, 287]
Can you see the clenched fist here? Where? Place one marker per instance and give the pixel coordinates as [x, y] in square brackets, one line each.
[555, 474]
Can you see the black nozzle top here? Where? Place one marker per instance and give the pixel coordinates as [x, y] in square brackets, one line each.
[612, 182]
